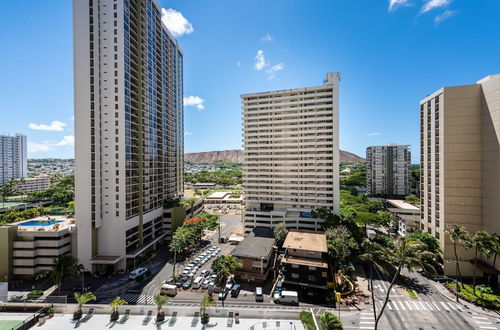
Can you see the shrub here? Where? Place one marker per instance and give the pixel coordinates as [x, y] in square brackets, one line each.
[307, 320]
[330, 321]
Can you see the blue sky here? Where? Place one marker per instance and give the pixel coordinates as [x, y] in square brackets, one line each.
[390, 54]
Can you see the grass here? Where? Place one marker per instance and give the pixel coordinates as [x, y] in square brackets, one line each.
[491, 300]
[8, 324]
[307, 320]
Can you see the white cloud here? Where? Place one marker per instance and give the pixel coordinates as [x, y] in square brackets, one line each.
[374, 134]
[37, 147]
[175, 22]
[267, 37]
[238, 64]
[393, 4]
[194, 101]
[271, 72]
[431, 4]
[444, 15]
[56, 126]
[187, 133]
[260, 60]
[68, 140]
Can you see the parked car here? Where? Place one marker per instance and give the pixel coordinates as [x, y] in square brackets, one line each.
[287, 297]
[259, 295]
[197, 282]
[229, 286]
[184, 274]
[223, 294]
[179, 282]
[235, 291]
[279, 287]
[205, 284]
[186, 285]
[205, 272]
[137, 272]
[171, 280]
[168, 289]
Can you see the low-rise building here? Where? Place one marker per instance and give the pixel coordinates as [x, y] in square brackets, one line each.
[204, 185]
[35, 184]
[256, 253]
[407, 215]
[30, 246]
[224, 197]
[174, 215]
[305, 263]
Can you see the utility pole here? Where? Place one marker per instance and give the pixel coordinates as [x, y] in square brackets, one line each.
[218, 218]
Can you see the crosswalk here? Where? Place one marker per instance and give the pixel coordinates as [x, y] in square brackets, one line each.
[483, 322]
[134, 299]
[433, 306]
[367, 320]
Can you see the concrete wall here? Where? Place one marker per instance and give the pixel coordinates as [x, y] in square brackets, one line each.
[7, 235]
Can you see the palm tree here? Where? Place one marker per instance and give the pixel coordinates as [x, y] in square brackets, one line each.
[114, 308]
[459, 236]
[407, 253]
[495, 238]
[189, 202]
[330, 321]
[224, 267]
[482, 247]
[82, 299]
[160, 300]
[64, 265]
[8, 189]
[206, 302]
[376, 255]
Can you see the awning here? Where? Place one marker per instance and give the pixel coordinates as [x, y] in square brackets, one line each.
[485, 267]
[105, 260]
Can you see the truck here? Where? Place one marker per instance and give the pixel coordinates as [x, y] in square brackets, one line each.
[287, 297]
[168, 289]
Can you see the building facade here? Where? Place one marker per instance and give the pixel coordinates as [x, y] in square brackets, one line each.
[38, 183]
[291, 155]
[388, 170]
[13, 157]
[305, 263]
[128, 129]
[460, 162]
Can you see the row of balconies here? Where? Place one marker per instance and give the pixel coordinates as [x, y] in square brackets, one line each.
[278, 105]
[283, 95]
[41, 252]
[40, 243]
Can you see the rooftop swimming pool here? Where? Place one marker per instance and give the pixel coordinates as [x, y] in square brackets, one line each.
[43, 223]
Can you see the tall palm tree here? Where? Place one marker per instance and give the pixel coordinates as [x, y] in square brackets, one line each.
[409, 254]
[64, 265]
[483, 246]
[495, 241]
[459, 236]
[160, 300]
[82, 299]
[224, 267]
[376, 255]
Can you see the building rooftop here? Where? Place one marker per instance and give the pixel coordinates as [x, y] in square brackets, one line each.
[401, 204]
[45, 223]
[258, 244]
[218, 194]
[304, 262]
[300, 240]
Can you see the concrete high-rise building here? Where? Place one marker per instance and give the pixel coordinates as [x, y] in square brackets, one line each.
[128, 129]
[291, 156]
[13, 157]
[387, 170]
[460, 162]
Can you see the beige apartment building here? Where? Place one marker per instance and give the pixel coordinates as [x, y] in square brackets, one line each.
[460, 162]
[128, 129]
[291, 155]
[35, 184]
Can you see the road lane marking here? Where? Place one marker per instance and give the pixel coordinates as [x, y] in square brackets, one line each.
[410, 307]
[480, 317]
[428, 305]
[402, 306]
[436, 306]
[487, 327]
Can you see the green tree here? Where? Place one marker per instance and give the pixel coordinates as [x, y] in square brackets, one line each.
[482, 244]
[459, 236]
[8, 189]
[64, 266]
[495, 243]
[117, 302]
[224, 267]
[206, 301]
[280, 233]
[409, 254]
[432, 245]
[366, 218]
[160, 301]
[330, 321]
[387, 219]
[341, 247]
[189, 202]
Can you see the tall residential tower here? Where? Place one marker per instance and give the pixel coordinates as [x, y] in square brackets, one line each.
[387, 170]
[128, 129]
[291, 156]
[460, 162]
[13, 158]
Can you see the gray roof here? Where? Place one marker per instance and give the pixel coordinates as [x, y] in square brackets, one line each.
[258, 244]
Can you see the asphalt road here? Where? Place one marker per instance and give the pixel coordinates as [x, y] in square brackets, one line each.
[431, 310]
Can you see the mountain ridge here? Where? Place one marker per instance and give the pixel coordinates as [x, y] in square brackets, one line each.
[236, 156]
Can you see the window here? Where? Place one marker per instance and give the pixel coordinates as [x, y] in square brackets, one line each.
[312, 268]
[311, 278]
[295, 275]
[295, 266]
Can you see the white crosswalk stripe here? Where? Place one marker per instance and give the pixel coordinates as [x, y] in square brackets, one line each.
[430, 306]
[138, 299]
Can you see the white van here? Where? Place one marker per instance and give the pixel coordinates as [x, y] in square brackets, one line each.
[137, 272]
[198, 282]
[168, 289]
[287, 297]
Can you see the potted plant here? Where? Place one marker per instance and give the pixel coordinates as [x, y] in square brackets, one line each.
[82, 299]
[160, 300]
[206, 302]
[114, 308]
[41, 319]
[50, 311]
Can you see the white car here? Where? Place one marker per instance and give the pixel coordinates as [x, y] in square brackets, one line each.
[137, 272]
[184, 274]
[205, 284]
